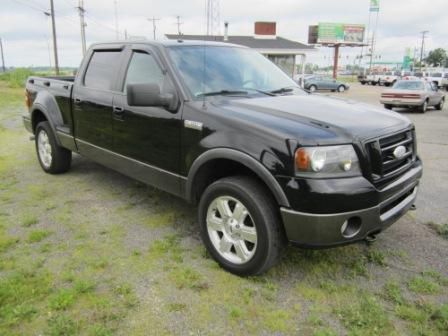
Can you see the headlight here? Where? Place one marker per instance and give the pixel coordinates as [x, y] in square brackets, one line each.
[327, 161]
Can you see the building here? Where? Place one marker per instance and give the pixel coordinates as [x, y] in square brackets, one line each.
[279, 50]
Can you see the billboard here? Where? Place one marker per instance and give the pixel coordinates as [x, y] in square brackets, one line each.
[343, 33]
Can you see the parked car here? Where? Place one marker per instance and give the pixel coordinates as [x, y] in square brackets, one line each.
[371, 79]
[299, 79]
[264, 161]
[439, 78]
[324, 83]
[389, 78]
[413, 94]
[410, 75]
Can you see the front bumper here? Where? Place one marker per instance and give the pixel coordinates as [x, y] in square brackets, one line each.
[319, 230]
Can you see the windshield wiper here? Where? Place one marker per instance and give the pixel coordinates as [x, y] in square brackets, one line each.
[267, 93]
[283, 89]
[222, 93]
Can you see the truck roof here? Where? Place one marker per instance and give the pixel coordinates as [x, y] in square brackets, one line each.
[167, 43]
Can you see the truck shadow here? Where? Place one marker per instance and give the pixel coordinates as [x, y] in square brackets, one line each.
[347, 261]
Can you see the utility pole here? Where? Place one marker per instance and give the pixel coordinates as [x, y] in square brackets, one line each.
[117, 34]
[3, 57]
[153, 26]
[179, 23]
[422, 47]
[55, 46]
[81, 11]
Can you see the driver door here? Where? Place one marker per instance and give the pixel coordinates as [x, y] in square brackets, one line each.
[147, 134]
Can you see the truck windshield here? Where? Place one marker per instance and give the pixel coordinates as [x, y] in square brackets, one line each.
[220, 69]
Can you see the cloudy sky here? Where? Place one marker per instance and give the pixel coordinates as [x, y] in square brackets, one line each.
[26, 31]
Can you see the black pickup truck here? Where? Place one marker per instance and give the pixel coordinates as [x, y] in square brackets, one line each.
[222, 127]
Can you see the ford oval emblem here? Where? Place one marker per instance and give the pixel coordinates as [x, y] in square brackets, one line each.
[399, 152]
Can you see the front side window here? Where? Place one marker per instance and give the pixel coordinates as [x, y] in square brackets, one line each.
[101, 70]
[143, 68]
[211, 69]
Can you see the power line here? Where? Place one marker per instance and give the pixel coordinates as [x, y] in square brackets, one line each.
[154, 26]
[81, 11]
[116, 19]
[3, 57]
[178, 23]
[55, 46]
[422, 47]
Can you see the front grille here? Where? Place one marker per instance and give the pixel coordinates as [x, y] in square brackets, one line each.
[385, 165]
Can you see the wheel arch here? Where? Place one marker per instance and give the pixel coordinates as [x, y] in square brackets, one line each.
[220, 162]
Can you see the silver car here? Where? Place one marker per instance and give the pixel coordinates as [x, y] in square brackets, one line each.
[413, 94]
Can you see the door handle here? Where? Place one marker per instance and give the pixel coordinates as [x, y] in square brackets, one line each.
[78, 101]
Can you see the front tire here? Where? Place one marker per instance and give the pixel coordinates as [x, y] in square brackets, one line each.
[388, 106]
[240, 225]
[52, 158]
[341, 88]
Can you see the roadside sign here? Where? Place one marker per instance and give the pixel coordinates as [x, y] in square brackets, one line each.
[374, 5]
[340, 33]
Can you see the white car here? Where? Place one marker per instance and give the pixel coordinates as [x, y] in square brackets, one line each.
[439, 78]
[389, 78]
[413, 94]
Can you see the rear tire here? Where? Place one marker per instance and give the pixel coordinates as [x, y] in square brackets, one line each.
[52, 158]
[341, 88]
[240, 225]
[313, 88]
[424, 107]
[439, 106]
[388, 107]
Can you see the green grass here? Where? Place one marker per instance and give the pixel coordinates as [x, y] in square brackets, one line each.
[440, 229]
[17, 77]
[37, 236]
[423, 285]
[29, 220]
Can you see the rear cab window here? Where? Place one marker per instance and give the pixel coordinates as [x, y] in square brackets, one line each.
[101, 70]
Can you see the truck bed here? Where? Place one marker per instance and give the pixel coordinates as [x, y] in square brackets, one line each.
[59, 89]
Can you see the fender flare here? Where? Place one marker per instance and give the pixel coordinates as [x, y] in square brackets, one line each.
[231, 154]
[47, 105]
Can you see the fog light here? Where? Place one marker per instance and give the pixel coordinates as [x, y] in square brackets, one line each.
[351, 227]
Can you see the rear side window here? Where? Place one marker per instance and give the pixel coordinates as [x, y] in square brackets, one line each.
[143, 68]
[102, 69]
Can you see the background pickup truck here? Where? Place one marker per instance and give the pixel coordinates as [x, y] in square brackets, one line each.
[222, 127]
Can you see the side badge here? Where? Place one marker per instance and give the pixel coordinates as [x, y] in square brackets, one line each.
[193, 124]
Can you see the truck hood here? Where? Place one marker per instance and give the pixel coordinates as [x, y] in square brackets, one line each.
[345, 119]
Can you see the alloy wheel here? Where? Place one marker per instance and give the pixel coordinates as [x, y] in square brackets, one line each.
[231, 229]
